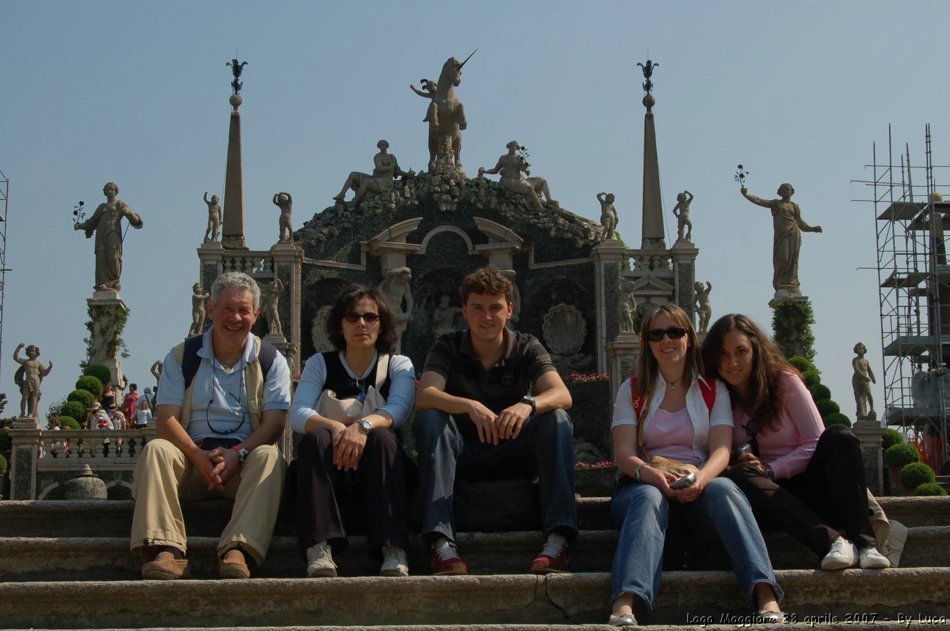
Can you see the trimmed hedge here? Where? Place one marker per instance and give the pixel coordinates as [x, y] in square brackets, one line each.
[837, 418]
[820, 392]
[802, 363]
[82, 396]
[73, 409]
[891, 437]
[98, 371]
[901, 455]
[930, 489]
[826, 407]
[68, 422]
[915, 474]
[811, 378]
[3, 466]
[91, 384]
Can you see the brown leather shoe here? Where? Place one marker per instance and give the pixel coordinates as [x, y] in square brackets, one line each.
[233, 565]
[165, 567]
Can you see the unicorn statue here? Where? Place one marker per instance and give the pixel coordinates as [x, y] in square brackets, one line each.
[446, 115]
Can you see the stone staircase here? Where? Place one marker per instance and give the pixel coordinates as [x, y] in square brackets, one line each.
[67, 565]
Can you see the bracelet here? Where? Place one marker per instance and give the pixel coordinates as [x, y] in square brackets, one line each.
[636, 472]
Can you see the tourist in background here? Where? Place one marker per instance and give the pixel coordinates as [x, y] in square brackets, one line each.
[143, 415]
[671, 413]
[799, 476]
[130, 404]
[354, 445]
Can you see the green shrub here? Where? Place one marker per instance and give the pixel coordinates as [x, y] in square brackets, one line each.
[98, 371]
[68, 422]
[811, 378]
[891, 437]
[837, 418]
[75, 409]
[915, 474]
[802, 364]
[90, 383]
[3, 466]
[82, 396]
[5, 442]
[930, 489]
[900, 455]
[826, 407]
[820, 391]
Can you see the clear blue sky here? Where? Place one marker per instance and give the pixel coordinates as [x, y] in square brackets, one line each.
[137, 93]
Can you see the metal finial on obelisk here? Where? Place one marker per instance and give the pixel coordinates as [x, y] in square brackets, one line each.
[648, 100]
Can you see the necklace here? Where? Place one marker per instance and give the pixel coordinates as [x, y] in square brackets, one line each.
[672, 384]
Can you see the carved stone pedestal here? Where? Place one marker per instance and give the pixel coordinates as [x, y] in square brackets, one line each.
[622, 356]
[25, 436]
[107, 312]
[870, 434]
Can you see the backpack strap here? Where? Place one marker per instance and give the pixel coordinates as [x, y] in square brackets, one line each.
[382, 370]
[266, 357]
[189, 360]
[709, 393]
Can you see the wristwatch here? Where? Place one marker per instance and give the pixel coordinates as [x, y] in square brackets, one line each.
[242, 453]
[366, 425]
[530, 401]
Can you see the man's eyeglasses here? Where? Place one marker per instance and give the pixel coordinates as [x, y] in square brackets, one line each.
[369, 317]
[673, 332]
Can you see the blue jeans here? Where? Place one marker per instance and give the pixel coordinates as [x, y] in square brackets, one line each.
[643, 514]
[544, 448]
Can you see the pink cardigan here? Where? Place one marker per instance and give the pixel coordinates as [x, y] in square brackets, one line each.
[788, 449]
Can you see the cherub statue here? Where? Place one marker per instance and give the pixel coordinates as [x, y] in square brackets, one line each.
[608, 215]
[861, 383]
[28, 377]
[703, 306]
[271, 298]
[628, 308]
[430, 87]
[684, 227]
[214, 217]
[198, 301]
[285, 202]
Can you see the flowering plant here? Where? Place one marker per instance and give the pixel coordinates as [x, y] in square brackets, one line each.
[603, 464]
[586, 377]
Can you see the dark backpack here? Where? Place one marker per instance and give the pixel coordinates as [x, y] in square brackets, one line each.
[190, 360]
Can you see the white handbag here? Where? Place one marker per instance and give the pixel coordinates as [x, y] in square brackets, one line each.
[349, 408]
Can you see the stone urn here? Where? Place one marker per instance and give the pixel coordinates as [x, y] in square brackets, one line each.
[85, 486]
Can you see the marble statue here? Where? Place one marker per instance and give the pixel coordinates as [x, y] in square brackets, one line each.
[385, 168]
[513, 167]
[397, 289]
[443, 316]
[684, 227]
[285, 202]
[446, 115]
[271, 299]
[787, 241]
[318, 330]
[861, 383]
[106, 223]
[628, 308]
[198, 301]
[431, 89]
[511, 274]
[156, 371]
[608, 215]
[28, 378]
[214, 217]
[703, 306]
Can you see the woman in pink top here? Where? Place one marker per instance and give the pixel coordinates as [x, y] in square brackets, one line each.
[687, 418]
[799, 476]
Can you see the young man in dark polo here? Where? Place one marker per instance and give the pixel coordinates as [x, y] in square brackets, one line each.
[493, 407]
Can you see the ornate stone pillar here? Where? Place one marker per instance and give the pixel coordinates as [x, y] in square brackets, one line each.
[684, 255]
[608, 259]
[108, 314]
[870, 434]
[25, 438]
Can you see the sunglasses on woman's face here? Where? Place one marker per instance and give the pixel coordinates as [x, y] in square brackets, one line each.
[369, 317]
[674, 333]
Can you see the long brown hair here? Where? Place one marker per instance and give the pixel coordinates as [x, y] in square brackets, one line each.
[647, 367]
[763, 401]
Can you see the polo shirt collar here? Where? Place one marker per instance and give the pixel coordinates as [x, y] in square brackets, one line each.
[509, 344]
[207, 346]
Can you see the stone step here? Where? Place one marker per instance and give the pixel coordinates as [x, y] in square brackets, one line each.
[457, 600]
[91, 518]
[898, 622]
[108, 558]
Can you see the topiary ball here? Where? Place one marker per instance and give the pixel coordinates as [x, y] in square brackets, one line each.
[915, 474]
[901, 455]
[802, 364]
[90, 383]
[68, 422]
[100, 372]
[3, 466]
[891, 437]
[811, 378]
[820, 391]
[75, 409]
[826, 407]
[837, 418]
[930, 489]
[82, 396]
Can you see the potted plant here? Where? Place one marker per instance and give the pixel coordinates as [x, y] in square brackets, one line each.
[897, 457]
[915, 474]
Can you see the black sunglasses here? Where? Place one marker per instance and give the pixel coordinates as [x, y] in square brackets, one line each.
[368, 317]
[674, 333]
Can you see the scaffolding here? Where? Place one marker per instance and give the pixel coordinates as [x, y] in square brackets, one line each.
[911, 227]
[4, 207]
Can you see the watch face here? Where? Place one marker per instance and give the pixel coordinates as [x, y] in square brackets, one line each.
[365, 425]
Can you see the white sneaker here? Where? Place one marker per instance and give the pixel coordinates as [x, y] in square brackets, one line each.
[871, 559]
[320, 561]
[843, 554]
[394, 562]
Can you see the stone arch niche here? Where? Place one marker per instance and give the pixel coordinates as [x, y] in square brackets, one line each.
[562, 317]
[319, 292]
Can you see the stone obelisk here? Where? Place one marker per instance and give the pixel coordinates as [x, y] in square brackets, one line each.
[232, 234]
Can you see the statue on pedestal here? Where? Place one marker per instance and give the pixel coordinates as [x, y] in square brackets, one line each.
[285, 202]
[787, 241]
[198, 301]
[28, 377]
[703, 306]
[385, 168]
[397, 289]
[608, 215]
[106, 223]
[861, 383]
[628, 308]
[214, 217]
[446, 115]
[271, 299]
[684, 227]
[513, 167]
[443, 316]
